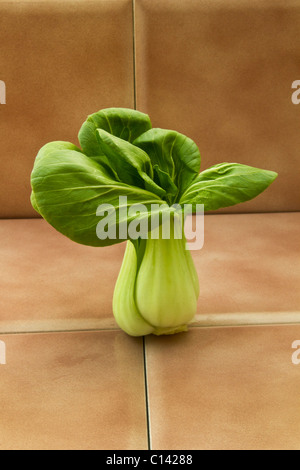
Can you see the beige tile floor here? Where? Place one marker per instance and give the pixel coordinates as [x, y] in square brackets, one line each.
[225, 388]
[72, 391]
[74, 380]
[248, 270]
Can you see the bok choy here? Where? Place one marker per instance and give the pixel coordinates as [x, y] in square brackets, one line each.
[125, 172]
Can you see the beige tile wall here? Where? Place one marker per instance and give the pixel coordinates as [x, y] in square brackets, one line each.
[207, 69]
[60, 61]
[221, 72]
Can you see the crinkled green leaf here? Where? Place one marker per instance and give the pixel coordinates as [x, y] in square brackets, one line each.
[164, 180]
[132, 165]
[127, 124]
[227, 184]
[103, 161]
[68, 188]
[174, 153]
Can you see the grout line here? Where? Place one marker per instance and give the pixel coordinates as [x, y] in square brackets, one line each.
[134, 54]
[147, 396]
[208, 321]
[243, 325]
[39, 332]
[245, 319]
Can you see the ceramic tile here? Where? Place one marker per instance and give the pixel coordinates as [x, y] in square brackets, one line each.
[51, 283]
[60, 61]
[249, 269]
[221, 72]
[224, 389]
[72, 391]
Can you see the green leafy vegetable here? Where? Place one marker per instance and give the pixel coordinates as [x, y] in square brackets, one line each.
[124, 184]
[174, 154]
[127, 124]
[129, 162]
[227, 184]
[68, 188]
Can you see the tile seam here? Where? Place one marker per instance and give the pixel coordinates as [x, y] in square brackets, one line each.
[134, 54]
[205, 323]
[147, 396]
[39, 332]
